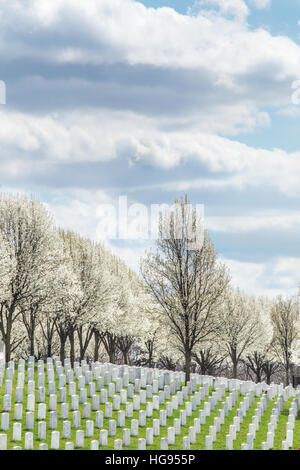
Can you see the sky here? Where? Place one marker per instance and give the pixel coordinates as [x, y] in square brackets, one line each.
[154, 99]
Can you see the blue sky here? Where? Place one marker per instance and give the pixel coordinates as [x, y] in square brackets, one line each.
[117, 97]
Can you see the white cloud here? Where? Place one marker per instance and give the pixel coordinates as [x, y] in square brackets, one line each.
[245, 275]
[77, 210]
[280, 276]
[261, 4]
[263, 220]
[245, 166]
[287, 272]
[125, 30]
[113, 31]
[101, 136]
[251, 67]
[236, 8]
[75, 136]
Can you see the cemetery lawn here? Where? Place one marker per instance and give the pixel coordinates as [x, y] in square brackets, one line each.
[219, 444]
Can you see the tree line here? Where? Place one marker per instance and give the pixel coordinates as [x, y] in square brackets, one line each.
[64, 294]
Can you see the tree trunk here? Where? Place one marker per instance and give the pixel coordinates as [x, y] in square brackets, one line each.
[8, 343]
[49, 349]
[112, 357]
[234, 369]
[72, 348]
[7, 350]
[188, 361]
[150, 360]
[150, 348]
[32, 344]
[125, 357]
[6, 324]
[109, 342]
[124, 344]
[62, 350]
[32, 327]
[84, 341]
[48, 333]
[96, 345]
[258, 377]
[268, 373]
[287, 375]
[235, 360]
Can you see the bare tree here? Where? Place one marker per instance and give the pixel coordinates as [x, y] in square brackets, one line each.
[166, 362]
[208, 360]
[285, 317]
[256, 362]
[270, 367]
[185, 278]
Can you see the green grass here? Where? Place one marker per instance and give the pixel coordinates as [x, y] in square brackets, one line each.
[87, 441]
[219, 444]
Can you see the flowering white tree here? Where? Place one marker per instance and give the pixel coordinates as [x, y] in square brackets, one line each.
[154, 336]
[239, 327]
[7, 269]
[67, 296]
[88, 262]
[124, 322]
[285, 321]
[261, 359]
[19, 340]
[37, 306]
[46, 338]
[27, 230]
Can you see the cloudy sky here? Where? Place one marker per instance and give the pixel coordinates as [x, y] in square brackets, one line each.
[155, 99]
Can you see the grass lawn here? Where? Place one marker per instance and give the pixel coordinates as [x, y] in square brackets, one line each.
[219, 444]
